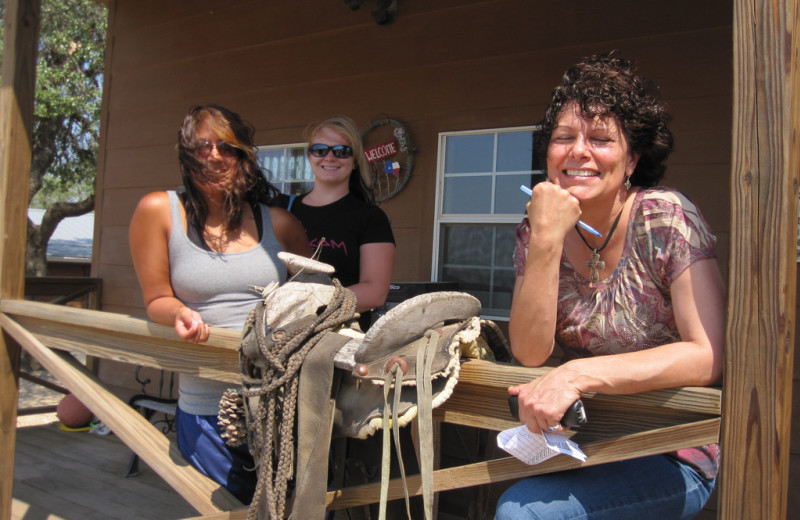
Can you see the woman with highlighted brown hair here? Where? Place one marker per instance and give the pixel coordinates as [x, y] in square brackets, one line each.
[199, 253]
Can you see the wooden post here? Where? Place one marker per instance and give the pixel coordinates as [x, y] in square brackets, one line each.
[16, 131]
[761, 308]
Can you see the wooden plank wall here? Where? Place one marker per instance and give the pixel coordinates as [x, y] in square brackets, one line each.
[440, 66]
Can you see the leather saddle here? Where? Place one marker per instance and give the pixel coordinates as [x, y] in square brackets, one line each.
[350, 384]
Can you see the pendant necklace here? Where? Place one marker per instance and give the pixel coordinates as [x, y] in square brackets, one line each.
[594, 264]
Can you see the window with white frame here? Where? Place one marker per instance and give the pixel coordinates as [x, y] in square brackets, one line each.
[478, 205]
[287, 168]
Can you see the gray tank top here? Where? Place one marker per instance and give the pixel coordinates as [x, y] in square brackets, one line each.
[219, 287]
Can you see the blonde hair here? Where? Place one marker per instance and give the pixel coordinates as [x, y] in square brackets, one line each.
[361, 184]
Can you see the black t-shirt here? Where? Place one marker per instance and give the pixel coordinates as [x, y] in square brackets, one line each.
[345, 225]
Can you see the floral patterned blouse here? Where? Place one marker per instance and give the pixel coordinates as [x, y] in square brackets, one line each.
[632, 308]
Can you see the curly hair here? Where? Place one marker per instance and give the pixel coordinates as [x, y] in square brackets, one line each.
[248, 185]
[608, 85]
[359, 184]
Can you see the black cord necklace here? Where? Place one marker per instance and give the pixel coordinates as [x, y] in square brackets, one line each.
[594, 264]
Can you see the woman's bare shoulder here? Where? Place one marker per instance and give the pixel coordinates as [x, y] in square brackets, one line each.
[154, 201]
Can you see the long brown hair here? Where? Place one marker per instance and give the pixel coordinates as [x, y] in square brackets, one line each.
[248, 185]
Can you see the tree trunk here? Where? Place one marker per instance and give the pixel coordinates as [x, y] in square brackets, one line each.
[39, 236]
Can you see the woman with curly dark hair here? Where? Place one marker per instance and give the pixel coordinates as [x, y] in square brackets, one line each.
[639, 308]
[198, 254]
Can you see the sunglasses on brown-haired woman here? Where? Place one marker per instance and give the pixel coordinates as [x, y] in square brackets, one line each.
[224, 149]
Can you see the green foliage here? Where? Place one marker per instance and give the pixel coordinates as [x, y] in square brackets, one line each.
[2, 30]
[69, 80]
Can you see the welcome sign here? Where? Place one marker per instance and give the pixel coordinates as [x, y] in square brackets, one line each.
[390, 154]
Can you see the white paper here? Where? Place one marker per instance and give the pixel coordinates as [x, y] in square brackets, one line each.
[560, 444]
[532, 448]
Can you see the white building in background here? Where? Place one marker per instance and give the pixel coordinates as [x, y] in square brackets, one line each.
[71, 241]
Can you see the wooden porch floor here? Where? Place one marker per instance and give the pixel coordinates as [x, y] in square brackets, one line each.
[67, 475]
[77, 475]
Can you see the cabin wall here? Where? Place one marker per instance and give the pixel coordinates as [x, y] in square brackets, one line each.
[440, 66]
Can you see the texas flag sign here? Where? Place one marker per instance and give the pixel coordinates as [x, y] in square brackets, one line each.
[390, 167]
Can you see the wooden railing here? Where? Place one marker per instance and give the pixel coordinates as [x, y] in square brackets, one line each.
[621, 427]
[62, 290]
[59, 290]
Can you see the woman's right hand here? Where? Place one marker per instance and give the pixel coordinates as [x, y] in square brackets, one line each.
[552, 212]
[190, 327]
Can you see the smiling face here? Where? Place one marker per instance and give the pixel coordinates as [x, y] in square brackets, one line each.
[219, 166]
[330, 169]
[588, 157]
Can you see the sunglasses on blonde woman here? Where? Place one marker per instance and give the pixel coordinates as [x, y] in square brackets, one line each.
[340, 151]
[224, 149]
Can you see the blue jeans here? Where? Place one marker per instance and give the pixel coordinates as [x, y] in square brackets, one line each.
[200, 443]
[657, 487]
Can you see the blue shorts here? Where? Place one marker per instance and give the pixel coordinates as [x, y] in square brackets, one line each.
[200, 443]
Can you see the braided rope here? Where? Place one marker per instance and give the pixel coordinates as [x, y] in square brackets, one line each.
[277, 391]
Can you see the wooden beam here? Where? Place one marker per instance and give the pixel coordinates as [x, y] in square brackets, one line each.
[763, 269]
[497, 470]
[16, 130]
[141, 342]
[480, 400]
[127, 339]
[132, 428]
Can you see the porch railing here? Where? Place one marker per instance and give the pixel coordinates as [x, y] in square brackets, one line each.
[621, 426]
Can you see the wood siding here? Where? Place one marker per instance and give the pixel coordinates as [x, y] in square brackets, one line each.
[440, 66]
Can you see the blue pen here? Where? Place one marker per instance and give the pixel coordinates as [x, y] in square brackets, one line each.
[582, 224]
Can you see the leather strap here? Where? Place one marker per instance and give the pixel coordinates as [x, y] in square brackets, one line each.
[426, 351]
[425, 419]
[393, 380]
[315, 409]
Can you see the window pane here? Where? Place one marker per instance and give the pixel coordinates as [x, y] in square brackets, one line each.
[514, 151]
[467, 195]
[508, 198]
[502, 292]
[298, 167]
[478, 257]
[504, 245]
[537, 160]
[482, 174]
[472, 281]
[287, 168]
[272, 161]
[464, 244]
[469, 153]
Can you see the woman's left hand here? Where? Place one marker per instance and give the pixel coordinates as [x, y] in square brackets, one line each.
[544, 401]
